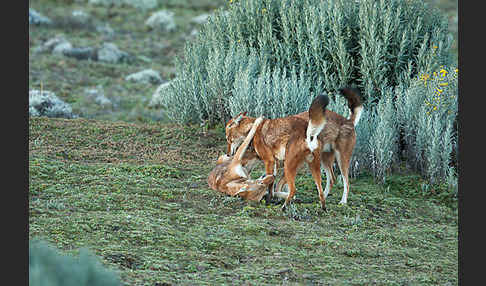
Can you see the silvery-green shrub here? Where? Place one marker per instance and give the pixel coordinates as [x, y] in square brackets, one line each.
[362, 157]
[330, 44]
[427, 113]
[383, 142]
[271, 94]
[48, 267]
[422, 115]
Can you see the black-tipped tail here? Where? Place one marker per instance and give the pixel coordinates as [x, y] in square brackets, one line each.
[355, 103]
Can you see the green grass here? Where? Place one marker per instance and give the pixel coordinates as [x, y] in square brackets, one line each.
[136, 195]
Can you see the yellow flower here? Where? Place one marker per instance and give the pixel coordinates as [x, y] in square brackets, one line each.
[435, 107]
[439, 90]
[456, 70]
[443, 72]
[264, 10]
[424, 77]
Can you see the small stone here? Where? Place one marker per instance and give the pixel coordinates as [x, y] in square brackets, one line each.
[106, 30]
[163, 20]
[46, 103]
[148, 76]
[157, 100]
[36, 18]
[80, 16]
[98, 96]
[201, 19]
[51, 44]
[61, 48]
[142, 4]
[194, 33]
[81, 53]
[139, 4]
[110, 53]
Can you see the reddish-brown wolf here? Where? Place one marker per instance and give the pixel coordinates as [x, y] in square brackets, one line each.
[231, 177]
[318, 136]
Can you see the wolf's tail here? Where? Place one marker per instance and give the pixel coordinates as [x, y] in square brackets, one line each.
[317, 120]
[355, 103]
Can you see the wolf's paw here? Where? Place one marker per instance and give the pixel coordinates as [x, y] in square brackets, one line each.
[284, 206]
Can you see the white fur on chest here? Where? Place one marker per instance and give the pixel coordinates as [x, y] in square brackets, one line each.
[281, 153]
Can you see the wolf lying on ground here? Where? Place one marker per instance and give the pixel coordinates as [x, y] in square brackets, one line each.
[295, 139]
[231, 177]
[279, 139]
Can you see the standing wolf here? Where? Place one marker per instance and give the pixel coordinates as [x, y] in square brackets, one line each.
[318, 136]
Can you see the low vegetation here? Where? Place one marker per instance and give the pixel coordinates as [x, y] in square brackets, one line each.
[136, 195]
[48, 267]
[121, 181]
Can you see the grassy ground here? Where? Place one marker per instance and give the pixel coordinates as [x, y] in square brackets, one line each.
[134, 191]
[154, 49]
[136, 195]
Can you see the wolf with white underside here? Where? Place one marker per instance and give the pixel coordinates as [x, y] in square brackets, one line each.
[307, 136]
[230, 175]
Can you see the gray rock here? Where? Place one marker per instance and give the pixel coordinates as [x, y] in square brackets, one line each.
[163, 20]
[80, 17]
[106, 30]
[106, 2]
[61, 48]
[110, 53]
[157, 97]
[98, 96]
[86, 53]
[193, 33]
[201, 19]
[140, 4]
[46, 103]
[148, 76]
[51, 44]
[36, 18]
[102, 100]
